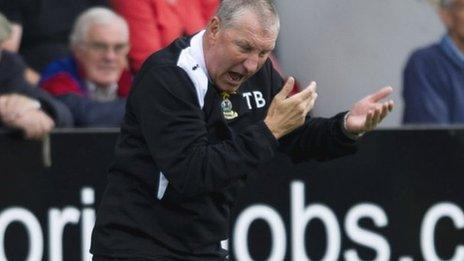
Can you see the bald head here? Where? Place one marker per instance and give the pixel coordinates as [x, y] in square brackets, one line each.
[230, 13]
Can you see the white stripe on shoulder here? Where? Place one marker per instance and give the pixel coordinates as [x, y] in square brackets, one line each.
[195, 72]
[162, 185]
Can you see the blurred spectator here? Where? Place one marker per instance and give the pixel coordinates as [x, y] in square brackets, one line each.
[23, 107]
[93, 82]
[41, 27]
[433, 84]
[154, 24]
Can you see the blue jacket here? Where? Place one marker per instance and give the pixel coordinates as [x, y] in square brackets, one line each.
[433, 85]
[62, 78]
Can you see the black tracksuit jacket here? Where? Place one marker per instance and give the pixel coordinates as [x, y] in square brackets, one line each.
[179, 162]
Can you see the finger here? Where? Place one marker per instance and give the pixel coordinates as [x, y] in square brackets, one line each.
[368, 122]
[311, 103]
[38, 130]
[13, 106]
[305, 94]
[382, 93]
[9, 102]
[48, 125]
[391, 104]
[2, 104]
[384, 111]
[42, 131]
[286, 89]
[376, 118]
[29, 131]
[312, 86]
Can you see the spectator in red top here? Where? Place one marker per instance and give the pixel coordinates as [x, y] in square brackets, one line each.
[93, 83]
[154, 24]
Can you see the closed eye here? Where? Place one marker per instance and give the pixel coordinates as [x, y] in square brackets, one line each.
[245, 48]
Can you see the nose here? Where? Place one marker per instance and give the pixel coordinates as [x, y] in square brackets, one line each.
[110, 54]
[251, 63]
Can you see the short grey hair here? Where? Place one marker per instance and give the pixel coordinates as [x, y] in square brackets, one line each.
[95, 16]
[229, 12]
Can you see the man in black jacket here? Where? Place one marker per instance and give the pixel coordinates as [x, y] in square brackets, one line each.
[22, 106]
[204, 114]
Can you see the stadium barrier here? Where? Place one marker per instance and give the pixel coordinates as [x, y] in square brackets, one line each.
[400, 197]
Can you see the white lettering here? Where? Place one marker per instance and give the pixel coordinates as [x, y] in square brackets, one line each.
[300, 219]
[431, 218]
[247, 95]
[243, 223]
[33, 229]
[88, 221]
[365, 237]
[260, 101]
[57, 220]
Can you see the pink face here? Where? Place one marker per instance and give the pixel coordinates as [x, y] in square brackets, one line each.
[103, 55]
[234, 54]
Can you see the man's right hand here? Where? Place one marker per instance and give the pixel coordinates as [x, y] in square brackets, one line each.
[288, 113]
[14, 105]
[21, 112]
[34, 123]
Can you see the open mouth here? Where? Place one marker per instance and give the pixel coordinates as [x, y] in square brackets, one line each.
[236, 77]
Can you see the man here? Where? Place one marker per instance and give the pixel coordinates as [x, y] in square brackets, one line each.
[24, 107]
[93, 83]
[203, 115]
[433, 83]
[41, 28]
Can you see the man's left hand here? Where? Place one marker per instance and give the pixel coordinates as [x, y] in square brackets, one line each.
[367, 113]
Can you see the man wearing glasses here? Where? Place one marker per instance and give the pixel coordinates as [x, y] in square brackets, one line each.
[93, 83]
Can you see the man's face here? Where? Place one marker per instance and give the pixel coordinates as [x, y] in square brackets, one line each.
[453, 17]
[234, 54]
[103, 55]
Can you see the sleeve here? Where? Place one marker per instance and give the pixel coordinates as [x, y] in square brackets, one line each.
[57, 110]
[12, 10]
[174, 128]
[17, 84]
[89, 113]
[145, 37]
[424, 102]
[318, 138]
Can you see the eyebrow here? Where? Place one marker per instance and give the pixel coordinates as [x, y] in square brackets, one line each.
[248, 44]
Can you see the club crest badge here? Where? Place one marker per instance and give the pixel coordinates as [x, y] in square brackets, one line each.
[227, 108]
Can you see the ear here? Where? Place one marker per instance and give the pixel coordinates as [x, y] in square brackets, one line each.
[214, 26]
[446, 17]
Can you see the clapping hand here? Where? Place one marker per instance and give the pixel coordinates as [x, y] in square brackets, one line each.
[367, 113]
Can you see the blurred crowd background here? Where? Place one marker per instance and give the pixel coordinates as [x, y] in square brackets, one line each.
[71, 63]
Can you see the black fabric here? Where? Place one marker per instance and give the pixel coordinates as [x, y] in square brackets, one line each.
[12, 81]
[46, 26]
[205, 158]
[103, 258]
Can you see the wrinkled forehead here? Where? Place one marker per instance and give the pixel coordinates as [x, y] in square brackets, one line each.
[256, 20]
[250, 28]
